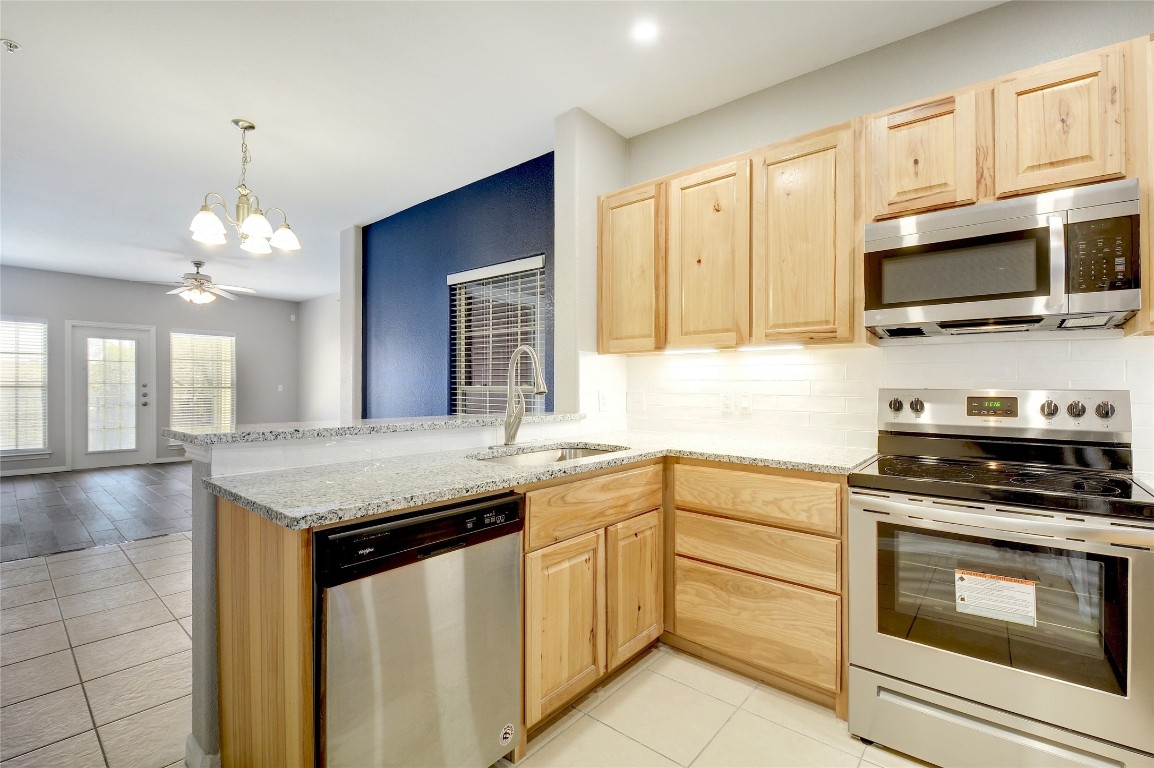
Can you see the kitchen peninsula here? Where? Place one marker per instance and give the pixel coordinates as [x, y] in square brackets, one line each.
[273, 481]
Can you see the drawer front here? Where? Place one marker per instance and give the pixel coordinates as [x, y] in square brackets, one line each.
[790, 630]
[798, 557]
[557, 513]
[809, 505]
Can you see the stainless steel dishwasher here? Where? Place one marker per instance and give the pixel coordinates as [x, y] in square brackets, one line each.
[418, 624]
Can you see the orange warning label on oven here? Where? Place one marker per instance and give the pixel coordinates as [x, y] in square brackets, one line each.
[960, 572]
[995, 597]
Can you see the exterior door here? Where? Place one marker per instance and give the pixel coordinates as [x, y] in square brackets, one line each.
[112, 390]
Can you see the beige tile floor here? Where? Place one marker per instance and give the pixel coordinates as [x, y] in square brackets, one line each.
[95, 656]
[670, 709]
[95, 670]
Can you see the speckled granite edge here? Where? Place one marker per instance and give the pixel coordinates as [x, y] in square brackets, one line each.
[348, 491]
[260, 433]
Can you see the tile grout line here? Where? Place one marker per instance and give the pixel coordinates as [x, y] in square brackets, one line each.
[802, 733]
[714, 736]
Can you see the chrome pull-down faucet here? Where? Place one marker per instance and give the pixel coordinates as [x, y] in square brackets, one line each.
[515, 400]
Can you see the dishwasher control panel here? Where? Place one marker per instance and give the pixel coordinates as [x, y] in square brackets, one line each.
[363, 549]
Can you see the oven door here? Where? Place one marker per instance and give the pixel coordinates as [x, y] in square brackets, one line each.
[1013, 268]
[1047, 616]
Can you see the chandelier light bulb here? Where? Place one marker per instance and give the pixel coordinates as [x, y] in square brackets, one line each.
[255, 245]
[285, 239]
[206, 222]
[202, 297]
[210, 238]
[256, 225]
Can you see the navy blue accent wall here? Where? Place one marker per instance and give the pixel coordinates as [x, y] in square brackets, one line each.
[406, 302]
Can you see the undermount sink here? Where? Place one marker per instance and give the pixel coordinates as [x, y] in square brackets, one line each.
[537, 456]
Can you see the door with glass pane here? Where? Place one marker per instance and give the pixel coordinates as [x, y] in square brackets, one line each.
[112, 388]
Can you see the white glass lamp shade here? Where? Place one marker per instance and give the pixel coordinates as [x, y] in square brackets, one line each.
[257, 245]
[256, 225]
[210, 238]
[285, 239]
[197, 296]
[206, 223]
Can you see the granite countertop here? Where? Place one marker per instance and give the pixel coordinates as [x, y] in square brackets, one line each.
[307, 497]
[302, 430]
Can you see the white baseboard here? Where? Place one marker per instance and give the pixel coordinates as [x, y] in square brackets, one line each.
[37, 471]
[194, 756]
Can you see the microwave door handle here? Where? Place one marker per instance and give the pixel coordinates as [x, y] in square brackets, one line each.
[1057, 298]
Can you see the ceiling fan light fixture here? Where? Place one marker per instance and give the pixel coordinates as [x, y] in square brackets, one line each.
[285, 239]
[197, 296]
[255, 245]
[250, 220]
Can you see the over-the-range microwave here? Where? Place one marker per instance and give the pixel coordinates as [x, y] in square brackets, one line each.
[1067, 259]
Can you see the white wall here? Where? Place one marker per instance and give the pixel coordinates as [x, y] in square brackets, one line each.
[319, 323]
[266, 342]
[985, 45]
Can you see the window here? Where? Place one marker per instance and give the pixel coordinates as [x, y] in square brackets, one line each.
[203, 382]
[23, 385]
[492, 311]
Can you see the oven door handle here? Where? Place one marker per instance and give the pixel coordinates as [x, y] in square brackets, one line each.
[1057, 298]
[1100, 531]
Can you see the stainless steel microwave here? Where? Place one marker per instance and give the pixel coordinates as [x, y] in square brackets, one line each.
[1067, 259]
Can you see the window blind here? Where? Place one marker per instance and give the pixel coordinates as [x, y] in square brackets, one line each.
[23, 385]
[488, 319]
[203, 382]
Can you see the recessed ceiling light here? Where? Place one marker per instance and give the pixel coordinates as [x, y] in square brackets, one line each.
[644, 31]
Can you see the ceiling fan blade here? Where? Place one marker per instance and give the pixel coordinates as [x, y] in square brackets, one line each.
[237, 288]
[216, 289]
[181, 289]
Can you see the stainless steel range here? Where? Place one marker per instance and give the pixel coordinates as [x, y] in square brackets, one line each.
[1002, 568]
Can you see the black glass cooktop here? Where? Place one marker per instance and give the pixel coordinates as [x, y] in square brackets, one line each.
[1071, 489]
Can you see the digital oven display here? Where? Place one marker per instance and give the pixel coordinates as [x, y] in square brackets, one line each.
[992, 406]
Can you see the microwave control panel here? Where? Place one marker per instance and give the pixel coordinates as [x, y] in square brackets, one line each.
[1102, 255]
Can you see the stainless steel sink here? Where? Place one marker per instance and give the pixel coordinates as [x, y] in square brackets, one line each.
[540, 456]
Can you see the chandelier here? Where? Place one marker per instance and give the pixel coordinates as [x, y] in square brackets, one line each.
[256, 235]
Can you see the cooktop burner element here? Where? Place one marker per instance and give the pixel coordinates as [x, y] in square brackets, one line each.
[1029, 454]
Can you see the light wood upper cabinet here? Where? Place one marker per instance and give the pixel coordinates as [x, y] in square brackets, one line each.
[631, 271]
[633, 584]
[1060, 124]
[709, 257]
[923, 156]
[803, 239]
[564, 622]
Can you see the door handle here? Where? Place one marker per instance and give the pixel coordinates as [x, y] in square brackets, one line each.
[1057, 298]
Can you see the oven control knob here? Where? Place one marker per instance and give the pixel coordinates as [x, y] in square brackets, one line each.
[1105, 409]
[916, 405]
[896, 405]
[1076, 409]
[1049, 409]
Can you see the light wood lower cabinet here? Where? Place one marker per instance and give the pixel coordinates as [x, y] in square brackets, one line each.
[780, 627]
[633, 586]
[564, 622]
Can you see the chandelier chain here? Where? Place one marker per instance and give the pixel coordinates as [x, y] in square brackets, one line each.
[245, 157]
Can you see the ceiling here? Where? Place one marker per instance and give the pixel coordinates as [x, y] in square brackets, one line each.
[116, 114]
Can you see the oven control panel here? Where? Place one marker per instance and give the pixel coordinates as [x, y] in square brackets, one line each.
[1099, 415]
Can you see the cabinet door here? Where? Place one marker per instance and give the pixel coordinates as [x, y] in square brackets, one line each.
[780, 627]
[631, 271]
[803, 239]
[633, 579]
[709, 257]
[1060, 124]
[923, 156]
[564, 622]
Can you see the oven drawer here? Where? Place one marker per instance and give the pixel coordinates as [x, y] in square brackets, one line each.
[562, 511]
[790, 630]
[798, 557]
[808, 505]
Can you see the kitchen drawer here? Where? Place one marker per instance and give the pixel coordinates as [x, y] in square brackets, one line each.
[798, 557]
[557, 513]
[790, 630]
[808, 505]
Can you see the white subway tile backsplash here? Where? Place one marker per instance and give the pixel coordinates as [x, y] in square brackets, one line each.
[780, 418]
[846, 421]
[811, 403]
[848, 388]
[904, 375]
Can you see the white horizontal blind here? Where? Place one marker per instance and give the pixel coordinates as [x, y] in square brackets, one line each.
[203, 382]
[488, 319]
[23, 385]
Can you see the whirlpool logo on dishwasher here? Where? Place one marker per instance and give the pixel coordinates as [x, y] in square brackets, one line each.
[365, 551]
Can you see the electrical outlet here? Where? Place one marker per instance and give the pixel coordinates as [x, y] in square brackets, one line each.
[602, 401]
[727, 402]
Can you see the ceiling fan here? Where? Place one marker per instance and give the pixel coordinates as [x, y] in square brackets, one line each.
[198, 287]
